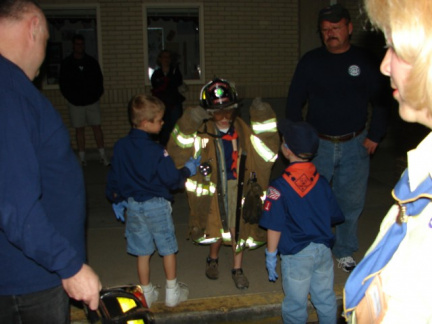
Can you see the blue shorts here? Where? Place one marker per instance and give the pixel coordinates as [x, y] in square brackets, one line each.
[149, 225]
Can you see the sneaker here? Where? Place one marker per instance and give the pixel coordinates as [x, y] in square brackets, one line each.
[104, 160]
[176, 295]
[346, 263]
[212, 271]
[151, 296]
[240, 279]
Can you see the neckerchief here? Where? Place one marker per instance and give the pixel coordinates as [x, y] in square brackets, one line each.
[410, 204]
[301, 176]
[234, 156]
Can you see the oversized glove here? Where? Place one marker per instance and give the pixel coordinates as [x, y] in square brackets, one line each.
[119, 210]
[271, 260]
[192, 164]
[199, 114]
[260, 110]
[192, 119]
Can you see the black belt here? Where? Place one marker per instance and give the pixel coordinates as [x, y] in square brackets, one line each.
[341, 138]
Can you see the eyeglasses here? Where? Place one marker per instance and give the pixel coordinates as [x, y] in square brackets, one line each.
[221, 113]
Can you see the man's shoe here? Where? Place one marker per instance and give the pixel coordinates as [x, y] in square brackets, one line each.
[212, 271]
[176, 295]
[346, 263]
[240, 279]
[151, 296]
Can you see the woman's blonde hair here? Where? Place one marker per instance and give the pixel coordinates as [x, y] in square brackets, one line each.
[407, 24]
[144, 107]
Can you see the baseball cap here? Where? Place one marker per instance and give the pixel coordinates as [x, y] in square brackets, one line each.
[301, 138]
[333, 13]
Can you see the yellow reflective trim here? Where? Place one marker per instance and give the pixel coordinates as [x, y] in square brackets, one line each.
[191, 185]
[249, 243]
[204, 240]
[212, 188]
[226, 236]
[199, 188]
[126, 304]
[197, 146]
[269, 126]
[263, 150]
[182, 140]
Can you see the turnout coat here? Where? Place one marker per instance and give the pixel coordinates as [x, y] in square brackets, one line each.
[260, 142]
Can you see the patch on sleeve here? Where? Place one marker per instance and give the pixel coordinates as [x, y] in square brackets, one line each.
[166, 153]
[267, 205]
[273, 193]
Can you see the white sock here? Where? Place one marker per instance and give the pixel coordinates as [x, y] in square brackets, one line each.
[171, 283]
[81, 155]
[147, 288]
[102, 152]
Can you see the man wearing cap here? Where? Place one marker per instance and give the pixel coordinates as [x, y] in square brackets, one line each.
[299, 211]
[339, 80]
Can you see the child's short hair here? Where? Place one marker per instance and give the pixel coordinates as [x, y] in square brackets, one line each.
[144, 107]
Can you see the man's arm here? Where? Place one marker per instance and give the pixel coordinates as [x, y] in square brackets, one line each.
[297, 95]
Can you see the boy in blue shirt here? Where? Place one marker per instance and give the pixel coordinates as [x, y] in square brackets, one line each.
[299, 211]
[140, 179]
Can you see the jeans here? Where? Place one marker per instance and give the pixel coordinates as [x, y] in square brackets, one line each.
[308, 271]
[48, 306]
[150, 224]
[346, 166]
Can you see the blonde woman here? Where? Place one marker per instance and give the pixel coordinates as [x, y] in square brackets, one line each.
[392, 283]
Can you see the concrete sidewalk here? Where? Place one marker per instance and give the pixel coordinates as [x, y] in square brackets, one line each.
[216, 301]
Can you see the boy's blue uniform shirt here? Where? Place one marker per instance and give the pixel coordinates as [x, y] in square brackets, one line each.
[42, 193]
[301, 220]
[142, 169]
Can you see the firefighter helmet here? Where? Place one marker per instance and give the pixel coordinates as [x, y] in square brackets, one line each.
[218, 94]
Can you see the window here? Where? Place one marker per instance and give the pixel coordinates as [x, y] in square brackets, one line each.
[179, 29]
[63, 22]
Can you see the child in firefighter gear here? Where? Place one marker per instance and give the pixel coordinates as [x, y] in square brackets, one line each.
[235, 157]
[142, 173]
[299, 212]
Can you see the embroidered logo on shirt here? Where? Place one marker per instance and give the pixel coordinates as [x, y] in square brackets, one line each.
[267, 205]
[166, 153]
[354, 70]
[273, 193]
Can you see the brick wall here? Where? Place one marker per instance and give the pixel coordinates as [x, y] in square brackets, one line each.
[253, 43]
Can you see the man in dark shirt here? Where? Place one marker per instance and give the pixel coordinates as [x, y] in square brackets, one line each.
[42, 194]
[339, 81]
[81, 83]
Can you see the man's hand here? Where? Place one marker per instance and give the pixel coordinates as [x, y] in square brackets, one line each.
[370, 146]
[84, 286]
[271, 261]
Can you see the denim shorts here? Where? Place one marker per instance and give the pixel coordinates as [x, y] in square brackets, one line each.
[149, 226]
